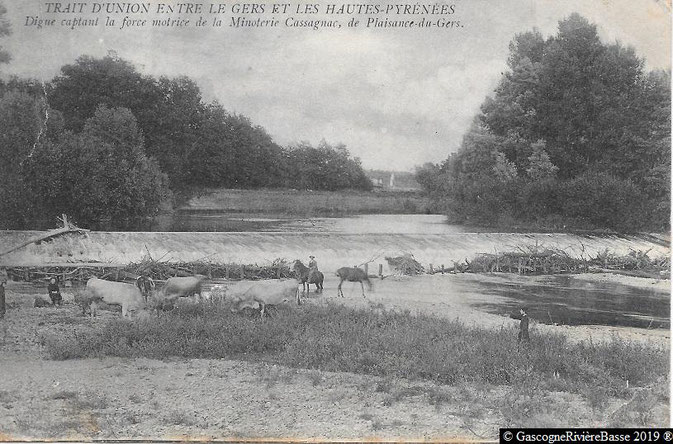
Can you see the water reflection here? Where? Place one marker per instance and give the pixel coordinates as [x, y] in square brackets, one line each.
[567, 301]
[204, 220]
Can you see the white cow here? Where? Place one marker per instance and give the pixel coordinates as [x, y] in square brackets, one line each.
[182, 287]
[266, 293]
[114, 293]
[175, 288]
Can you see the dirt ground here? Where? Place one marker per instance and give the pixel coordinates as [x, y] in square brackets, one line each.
[115, 398]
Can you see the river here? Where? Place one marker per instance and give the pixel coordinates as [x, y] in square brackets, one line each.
[221, 221]
[253, 239]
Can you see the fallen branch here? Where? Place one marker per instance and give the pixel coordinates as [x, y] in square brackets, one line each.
[67, 228]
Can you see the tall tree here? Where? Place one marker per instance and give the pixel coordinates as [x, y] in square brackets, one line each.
[99, 173]
[5, 30]
[21, 124]
[90, 82]
[571, 112]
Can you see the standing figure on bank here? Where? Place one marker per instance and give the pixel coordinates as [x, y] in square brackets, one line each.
[54, 292]
[523, 325]
[3, 323]
[2, 298]
[312, 267]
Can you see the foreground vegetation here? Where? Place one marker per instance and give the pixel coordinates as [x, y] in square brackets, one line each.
[379, 342]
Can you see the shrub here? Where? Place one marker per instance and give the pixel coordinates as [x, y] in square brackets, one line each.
[603, 201]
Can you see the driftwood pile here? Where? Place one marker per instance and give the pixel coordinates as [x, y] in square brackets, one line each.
[163, 270]
[635, 260]
[533, 260]
[406, 265]
[65, 272]
[157, 270]
[543, 262]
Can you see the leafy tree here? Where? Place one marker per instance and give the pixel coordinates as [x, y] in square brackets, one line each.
[21, 123]
[90, 82]
[5, 30]
[168, 111]
[578, 116]
[540, 166]
[504, 170]
[427, 176]
[172, 126]
[99, 173]
[326, 167]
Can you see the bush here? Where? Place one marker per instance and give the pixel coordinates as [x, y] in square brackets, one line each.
[604, 201]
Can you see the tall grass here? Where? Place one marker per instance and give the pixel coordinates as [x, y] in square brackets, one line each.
[337, 338]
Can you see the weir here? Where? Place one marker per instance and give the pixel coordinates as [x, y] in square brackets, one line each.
[332, 250]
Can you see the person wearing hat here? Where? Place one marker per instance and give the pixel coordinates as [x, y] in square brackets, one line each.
[54, 292]
[312, 267]
[523, 325]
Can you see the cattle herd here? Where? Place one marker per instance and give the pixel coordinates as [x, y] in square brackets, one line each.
[144, 295]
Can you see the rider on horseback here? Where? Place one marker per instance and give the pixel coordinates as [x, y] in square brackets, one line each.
[312, 267]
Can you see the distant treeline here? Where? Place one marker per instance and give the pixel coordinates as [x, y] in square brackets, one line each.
[102, 141]
[577, 135]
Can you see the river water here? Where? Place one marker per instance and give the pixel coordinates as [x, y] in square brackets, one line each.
[251, 238]
[566, 300]
[212, 221]
[561, 300]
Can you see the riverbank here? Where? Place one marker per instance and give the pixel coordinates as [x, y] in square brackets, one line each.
[180, 398]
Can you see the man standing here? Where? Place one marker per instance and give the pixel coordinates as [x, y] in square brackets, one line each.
[2, 298]
[3, 323]
[523, 325]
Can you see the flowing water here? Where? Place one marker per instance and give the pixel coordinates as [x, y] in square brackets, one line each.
[214, 221]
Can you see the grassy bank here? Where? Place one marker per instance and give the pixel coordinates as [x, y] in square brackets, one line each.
[381, 343]
[308, 203]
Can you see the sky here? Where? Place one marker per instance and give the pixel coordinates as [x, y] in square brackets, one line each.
[397, 98]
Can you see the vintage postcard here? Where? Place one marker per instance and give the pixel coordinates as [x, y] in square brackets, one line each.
[334, 221]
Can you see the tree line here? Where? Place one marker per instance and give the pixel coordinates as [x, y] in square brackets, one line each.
[576, 134]
[101, 141]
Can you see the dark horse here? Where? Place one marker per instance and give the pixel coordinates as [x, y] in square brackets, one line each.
[302, 272]
[353, 274]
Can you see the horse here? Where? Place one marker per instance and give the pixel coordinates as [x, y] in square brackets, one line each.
[353, 274]
[303, 273]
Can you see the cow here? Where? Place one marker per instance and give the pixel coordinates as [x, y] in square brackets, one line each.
[266, 293]
[114, 293]
[182, 287]
[167, 297]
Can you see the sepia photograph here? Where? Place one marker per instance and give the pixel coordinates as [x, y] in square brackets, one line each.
[321, 221]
